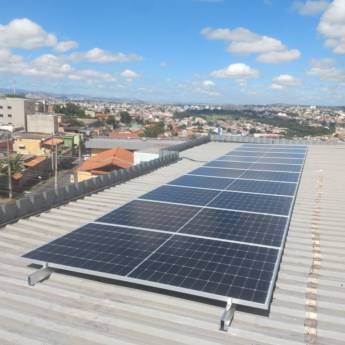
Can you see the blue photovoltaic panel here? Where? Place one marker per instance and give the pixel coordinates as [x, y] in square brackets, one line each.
[270, 175]
[217, 172]
[238, 226]
[266, 187]
[151, 215]
[276, 167]
[281, 161]
[232, 165]
[237, 159]
[182, 195]
[245, 154]
[103, 248]
[285, 155]
[271, 204]
[220, 268]
[274, 146]
[227, 245]
[201, 182]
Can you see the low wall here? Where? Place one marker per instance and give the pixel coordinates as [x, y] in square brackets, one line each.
[247, 139]
[186, 145]
[39, 202]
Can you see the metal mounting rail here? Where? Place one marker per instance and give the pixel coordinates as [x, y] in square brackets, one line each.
[227, 315]
[39, 275]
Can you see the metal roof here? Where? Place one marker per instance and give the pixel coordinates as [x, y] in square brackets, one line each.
[308, 303]
[145, 145]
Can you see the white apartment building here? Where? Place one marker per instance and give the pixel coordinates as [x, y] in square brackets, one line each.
[13, 111]
[42, 123]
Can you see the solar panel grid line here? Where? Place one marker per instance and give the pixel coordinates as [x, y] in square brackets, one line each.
[280, 252]
[247, 174]
[195, 215]
[261, 160]
[227, 190]
[249, 156]
[188, 234]
[234, 161]
[301, 153]
[239, 178]
[215, 167]
[282, 150]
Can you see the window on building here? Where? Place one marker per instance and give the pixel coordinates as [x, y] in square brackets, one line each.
[9, 107]
[1, 106]
[21, 147]
[1, 115]
[9, 115]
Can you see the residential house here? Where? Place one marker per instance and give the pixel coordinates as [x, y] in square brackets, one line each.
[105, 162]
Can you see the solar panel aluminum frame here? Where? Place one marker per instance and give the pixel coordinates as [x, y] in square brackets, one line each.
[206, 295]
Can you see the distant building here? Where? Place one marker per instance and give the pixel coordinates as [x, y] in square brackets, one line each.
[90, 112]
[105, 162]
[42, 123]
[35, 144]
[13, 111]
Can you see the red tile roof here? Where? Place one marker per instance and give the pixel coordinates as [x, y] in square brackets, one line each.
[52, 141]
[35, 161]
[117, 157]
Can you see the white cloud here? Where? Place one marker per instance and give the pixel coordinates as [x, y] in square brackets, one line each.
[244, 41]
[163, 65]
[90, 74]
[208, 84]
[128, 73]
[102, 56]
[277, 87]
[24, 33]
[326, 70]
[279, 56]
[261, 44]
[283, 81]
[311, 7]
[286, 79]
[64, 46]
[236, 71]
[332, 26]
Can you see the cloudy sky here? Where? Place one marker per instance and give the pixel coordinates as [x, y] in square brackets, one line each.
[220, 51]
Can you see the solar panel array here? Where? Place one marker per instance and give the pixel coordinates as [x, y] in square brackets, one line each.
[216, 232]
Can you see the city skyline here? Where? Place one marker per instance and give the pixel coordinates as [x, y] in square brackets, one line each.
[210, 51]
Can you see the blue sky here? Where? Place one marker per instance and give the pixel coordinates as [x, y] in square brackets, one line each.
[230, 51]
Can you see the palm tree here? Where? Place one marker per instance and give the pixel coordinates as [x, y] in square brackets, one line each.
[16, 164]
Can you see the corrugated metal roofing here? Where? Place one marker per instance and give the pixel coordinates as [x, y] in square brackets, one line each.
[308, 303]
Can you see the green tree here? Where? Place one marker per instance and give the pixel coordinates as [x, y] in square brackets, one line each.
[125, 117]
[112, 122]
[15, 162]
[70, 109]
[154, 130]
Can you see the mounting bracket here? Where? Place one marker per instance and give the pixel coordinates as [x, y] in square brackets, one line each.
[227, 316]
[39, 275]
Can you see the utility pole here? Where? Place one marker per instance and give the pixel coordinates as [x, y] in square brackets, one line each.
[56, 167]
[9, 170]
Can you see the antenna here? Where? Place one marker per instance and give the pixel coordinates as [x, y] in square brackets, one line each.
[14, 87]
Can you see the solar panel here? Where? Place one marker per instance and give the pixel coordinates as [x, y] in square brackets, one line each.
[216, 232]
[211, 267]
[233, 165]
[201, 182]
[238, 226]
[207, 171]
[290, 161]
[270, 204]
[237, 159]
[270, 176]
[151, 215]
[107, 249]
[266, 187]
[182, 195]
